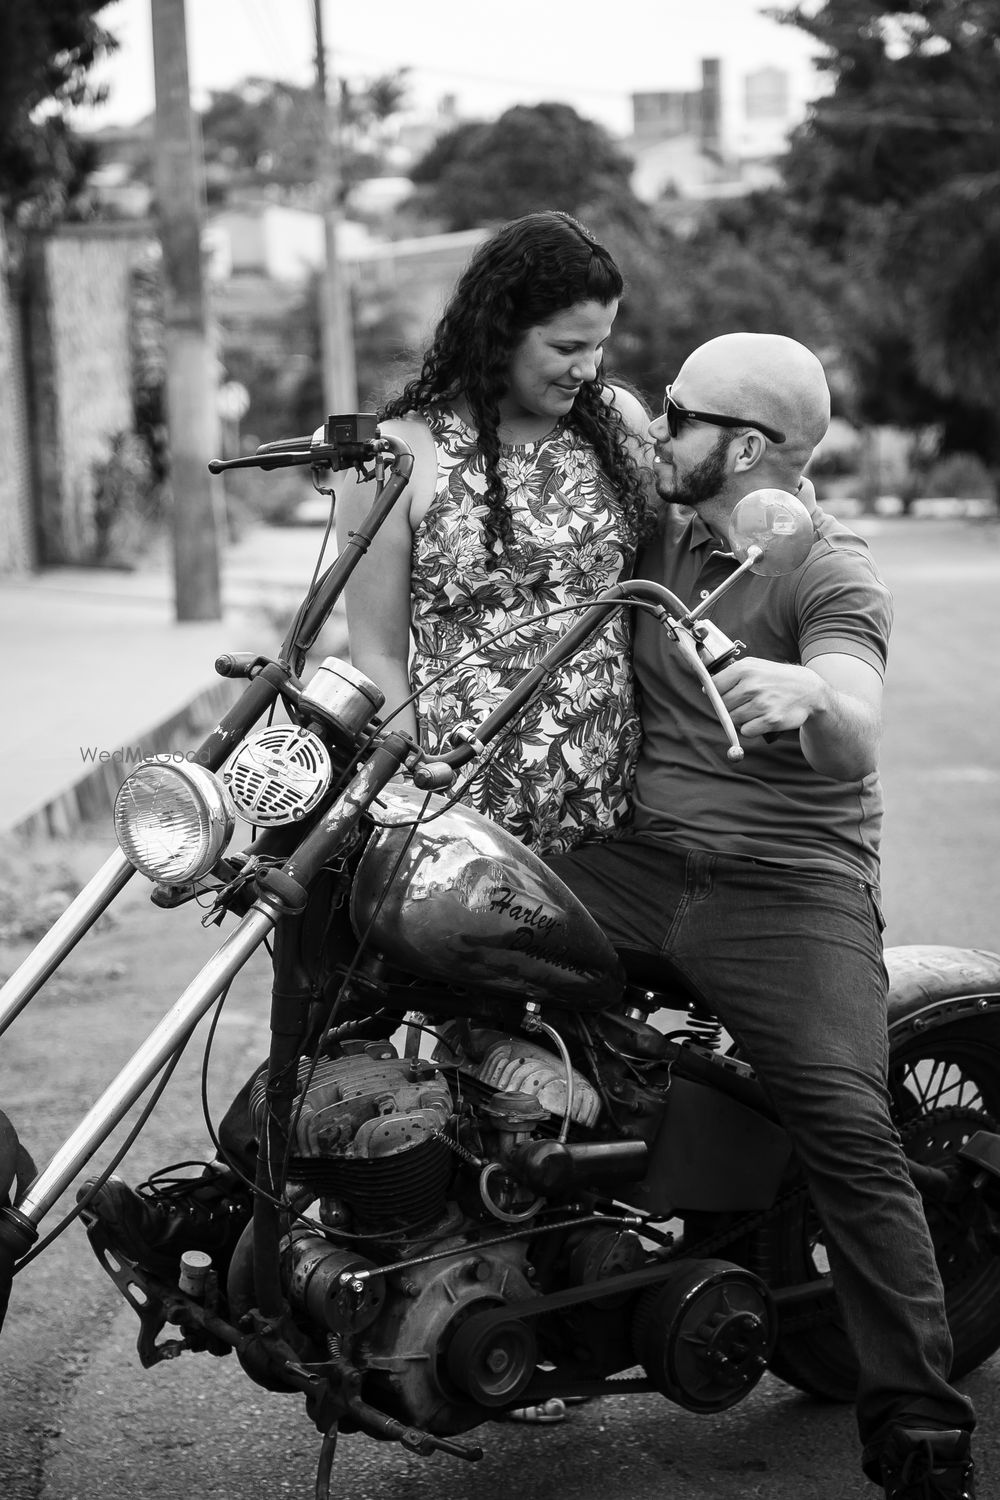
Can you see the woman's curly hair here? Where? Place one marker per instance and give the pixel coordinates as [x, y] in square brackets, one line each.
[525, 274]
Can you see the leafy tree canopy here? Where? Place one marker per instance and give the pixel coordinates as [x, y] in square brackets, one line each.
[533, 157]
[271, 134]
[896, 178]
[46, 50]
[745, 266]
[914, 102]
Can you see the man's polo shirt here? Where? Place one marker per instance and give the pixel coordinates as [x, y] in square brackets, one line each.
[771, 805]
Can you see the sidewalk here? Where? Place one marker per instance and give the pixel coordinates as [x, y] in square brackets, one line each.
[93, 664]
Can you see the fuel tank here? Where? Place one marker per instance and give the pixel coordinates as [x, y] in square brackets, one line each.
[455, 898]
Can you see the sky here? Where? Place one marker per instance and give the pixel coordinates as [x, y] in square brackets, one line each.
[490, 54]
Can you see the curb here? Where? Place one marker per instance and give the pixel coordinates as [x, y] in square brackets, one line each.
[91, 798]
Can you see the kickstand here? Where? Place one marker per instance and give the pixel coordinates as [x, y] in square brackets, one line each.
[324, 1470]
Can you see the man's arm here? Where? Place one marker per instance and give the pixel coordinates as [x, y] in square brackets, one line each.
[835, 703]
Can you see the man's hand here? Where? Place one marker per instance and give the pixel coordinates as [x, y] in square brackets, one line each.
[835, 703]
[765, 697]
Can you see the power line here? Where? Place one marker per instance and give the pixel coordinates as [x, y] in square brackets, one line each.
[464, 75]
[276, 40]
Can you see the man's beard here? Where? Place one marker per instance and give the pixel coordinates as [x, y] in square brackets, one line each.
[705, 480]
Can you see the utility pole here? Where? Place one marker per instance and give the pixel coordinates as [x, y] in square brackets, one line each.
[192, 416]
[340, 387]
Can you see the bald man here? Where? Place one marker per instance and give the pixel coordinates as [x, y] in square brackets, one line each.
[756, 883]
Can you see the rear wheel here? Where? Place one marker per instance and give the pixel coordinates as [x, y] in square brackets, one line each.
[944, 1085]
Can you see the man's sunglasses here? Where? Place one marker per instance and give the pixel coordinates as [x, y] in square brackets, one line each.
[677, 415]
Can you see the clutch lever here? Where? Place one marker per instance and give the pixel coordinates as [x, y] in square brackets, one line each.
[689, 650]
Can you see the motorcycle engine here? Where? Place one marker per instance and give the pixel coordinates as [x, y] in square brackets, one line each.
[369, 1138]
[516, 1065]
[377, 1137]
[376, 1143]
[413, 1164]
[423, 1273]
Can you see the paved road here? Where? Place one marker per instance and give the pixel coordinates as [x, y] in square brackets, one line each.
[941, 858]
[80, 1420]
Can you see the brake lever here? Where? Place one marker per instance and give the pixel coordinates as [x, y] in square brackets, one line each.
[689, 649]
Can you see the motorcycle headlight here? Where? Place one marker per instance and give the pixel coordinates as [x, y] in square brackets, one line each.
[172, 820]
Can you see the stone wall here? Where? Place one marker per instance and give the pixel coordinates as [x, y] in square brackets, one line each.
[79, 304]
[17, 533]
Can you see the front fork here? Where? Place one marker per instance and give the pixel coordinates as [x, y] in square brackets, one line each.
[19, 1226]
[282, 892]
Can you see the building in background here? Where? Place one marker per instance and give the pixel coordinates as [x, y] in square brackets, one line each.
[723, 138]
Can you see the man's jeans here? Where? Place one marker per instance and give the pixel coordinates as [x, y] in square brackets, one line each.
[791, 963]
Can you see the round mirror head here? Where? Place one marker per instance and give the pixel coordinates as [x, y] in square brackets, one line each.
[778, 525]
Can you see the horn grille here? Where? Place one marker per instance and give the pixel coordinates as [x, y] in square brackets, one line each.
[278, 775]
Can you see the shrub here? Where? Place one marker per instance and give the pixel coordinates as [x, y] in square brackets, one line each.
[962, 475]
[36, 886]
[127, 502]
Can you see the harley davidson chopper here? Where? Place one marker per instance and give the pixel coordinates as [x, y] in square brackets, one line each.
[560, 1199]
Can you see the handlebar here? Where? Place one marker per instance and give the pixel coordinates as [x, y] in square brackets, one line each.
[667, 608]
[353, 440]
[343, 442]
[340, 443]
[305, 628]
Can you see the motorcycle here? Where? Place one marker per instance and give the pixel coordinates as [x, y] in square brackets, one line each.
[484, 1177]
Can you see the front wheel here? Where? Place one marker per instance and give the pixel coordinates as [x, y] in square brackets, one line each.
[944, 1085]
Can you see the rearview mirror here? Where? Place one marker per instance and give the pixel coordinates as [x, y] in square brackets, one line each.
[776, 523]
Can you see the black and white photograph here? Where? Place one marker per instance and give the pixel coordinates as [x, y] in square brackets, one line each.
[499, 788]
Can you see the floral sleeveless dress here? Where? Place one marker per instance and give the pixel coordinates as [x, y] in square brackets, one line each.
[562, 773]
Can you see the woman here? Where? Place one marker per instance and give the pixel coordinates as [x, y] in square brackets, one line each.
[526, 496]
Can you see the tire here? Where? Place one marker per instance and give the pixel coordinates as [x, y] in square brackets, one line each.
[944, 1084]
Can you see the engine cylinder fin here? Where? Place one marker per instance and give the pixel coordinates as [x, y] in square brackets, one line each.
[401, 1191]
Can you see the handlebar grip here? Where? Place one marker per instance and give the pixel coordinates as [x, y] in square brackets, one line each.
[433, 776]
[238, 663]
[280, 460]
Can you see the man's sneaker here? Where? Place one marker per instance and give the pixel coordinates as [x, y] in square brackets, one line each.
[154, 1224]
[923, 1464]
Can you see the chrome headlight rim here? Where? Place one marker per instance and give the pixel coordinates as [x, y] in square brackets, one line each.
[215, 820]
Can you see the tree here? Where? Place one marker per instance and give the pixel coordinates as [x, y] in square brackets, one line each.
[744, 266]
[533, 157]
[896, 179]
[46, 51]
[265, 133]
[270, 134]
[913, 103]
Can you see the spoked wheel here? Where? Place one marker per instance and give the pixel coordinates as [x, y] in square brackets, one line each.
[944, 1085]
